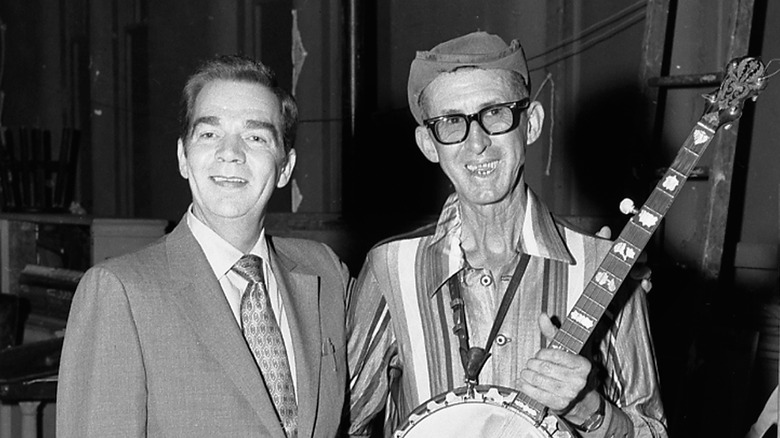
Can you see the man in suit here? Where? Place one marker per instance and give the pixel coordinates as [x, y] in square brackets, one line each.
[166, 341]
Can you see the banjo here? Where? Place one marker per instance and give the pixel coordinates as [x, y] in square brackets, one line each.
[494, 411]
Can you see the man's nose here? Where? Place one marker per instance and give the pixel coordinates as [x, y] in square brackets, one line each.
[478, 139]
[231, 149]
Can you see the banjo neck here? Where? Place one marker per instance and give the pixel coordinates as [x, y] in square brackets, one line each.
[583, 317]
[744, 79]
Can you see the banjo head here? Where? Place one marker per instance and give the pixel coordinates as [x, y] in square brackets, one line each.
[491, 411]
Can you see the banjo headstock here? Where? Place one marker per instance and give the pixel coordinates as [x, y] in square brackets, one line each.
[743, 79]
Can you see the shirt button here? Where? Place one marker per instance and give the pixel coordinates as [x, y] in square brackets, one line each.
[486, 280]
[502, 340]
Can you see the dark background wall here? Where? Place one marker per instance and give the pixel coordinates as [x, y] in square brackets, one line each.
[114, 69]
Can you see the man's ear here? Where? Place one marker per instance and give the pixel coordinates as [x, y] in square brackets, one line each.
[182, 155]
[535, 114]
[285, 172]
[424, 141]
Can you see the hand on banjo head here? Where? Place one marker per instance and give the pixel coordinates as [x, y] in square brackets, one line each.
[555, 377]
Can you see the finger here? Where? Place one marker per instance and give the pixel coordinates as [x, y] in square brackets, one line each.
[573, 373]
[546, 325]
[563, 359]
[605, 232]
[550, 391]
[640, 271]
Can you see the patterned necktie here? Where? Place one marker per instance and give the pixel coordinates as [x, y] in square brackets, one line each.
[264, 337]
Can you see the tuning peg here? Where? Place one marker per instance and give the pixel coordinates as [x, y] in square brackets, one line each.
[627, 207]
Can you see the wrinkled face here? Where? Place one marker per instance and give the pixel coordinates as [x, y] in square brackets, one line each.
[484, 169]
[234, 156]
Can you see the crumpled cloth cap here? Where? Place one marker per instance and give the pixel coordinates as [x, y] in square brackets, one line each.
[477, 49]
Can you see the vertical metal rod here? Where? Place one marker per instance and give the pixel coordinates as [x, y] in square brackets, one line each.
[353, 63]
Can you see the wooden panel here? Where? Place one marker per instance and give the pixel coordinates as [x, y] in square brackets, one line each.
[654, 59]
[724, 148]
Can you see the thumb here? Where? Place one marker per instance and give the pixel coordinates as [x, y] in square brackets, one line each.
[605, 232]
[546, 325]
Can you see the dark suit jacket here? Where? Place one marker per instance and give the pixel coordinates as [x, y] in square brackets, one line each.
[152, 348]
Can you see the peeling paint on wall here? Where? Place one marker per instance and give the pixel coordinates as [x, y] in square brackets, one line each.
[298, 51]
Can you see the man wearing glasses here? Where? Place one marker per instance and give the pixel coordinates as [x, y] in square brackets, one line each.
[465, 301]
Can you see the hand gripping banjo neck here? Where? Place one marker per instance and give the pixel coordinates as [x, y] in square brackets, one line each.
[744, 79]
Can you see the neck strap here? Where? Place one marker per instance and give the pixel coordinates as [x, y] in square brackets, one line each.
[474, 358]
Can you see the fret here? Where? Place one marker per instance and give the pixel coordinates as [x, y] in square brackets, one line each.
[535, 410]
[671, 183]
[676, 175]
[606, 291]
[624, 251]
[651, 210]
[579, 325]
[634, 233]
[614, 259]
[597, 294]
[647, 222]
[685, 161]
[706, 126]
[615, 266]
[606, 280]
[587, 309]
[567, 341]
[590, 305]
[594, 292]
[659, 201]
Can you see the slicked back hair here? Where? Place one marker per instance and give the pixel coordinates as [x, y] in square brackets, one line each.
[241, 69]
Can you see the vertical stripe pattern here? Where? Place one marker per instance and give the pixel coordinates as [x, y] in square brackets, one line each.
[402, 287]
[417, 363]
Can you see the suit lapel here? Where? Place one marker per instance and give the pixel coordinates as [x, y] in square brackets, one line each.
[199, 295]
[300, 294]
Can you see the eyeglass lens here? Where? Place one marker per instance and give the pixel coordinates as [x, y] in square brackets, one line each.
[496, 119]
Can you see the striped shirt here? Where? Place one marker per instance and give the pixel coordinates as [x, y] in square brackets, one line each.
[402, 350]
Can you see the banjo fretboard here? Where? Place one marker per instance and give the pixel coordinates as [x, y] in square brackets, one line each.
[744, 79]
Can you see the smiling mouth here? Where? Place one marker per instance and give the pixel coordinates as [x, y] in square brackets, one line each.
[482, 169]
[228, 180]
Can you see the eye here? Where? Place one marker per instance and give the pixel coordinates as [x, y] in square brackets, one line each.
[205, 134]
[495, 111]
[256, 138]
[454, 120]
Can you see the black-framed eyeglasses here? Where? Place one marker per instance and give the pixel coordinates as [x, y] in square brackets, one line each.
[494, 119]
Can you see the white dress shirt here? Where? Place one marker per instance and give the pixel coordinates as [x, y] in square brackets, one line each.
[221, 256]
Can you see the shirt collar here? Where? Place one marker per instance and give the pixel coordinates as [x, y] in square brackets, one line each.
[538, 236]
[220, 254]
